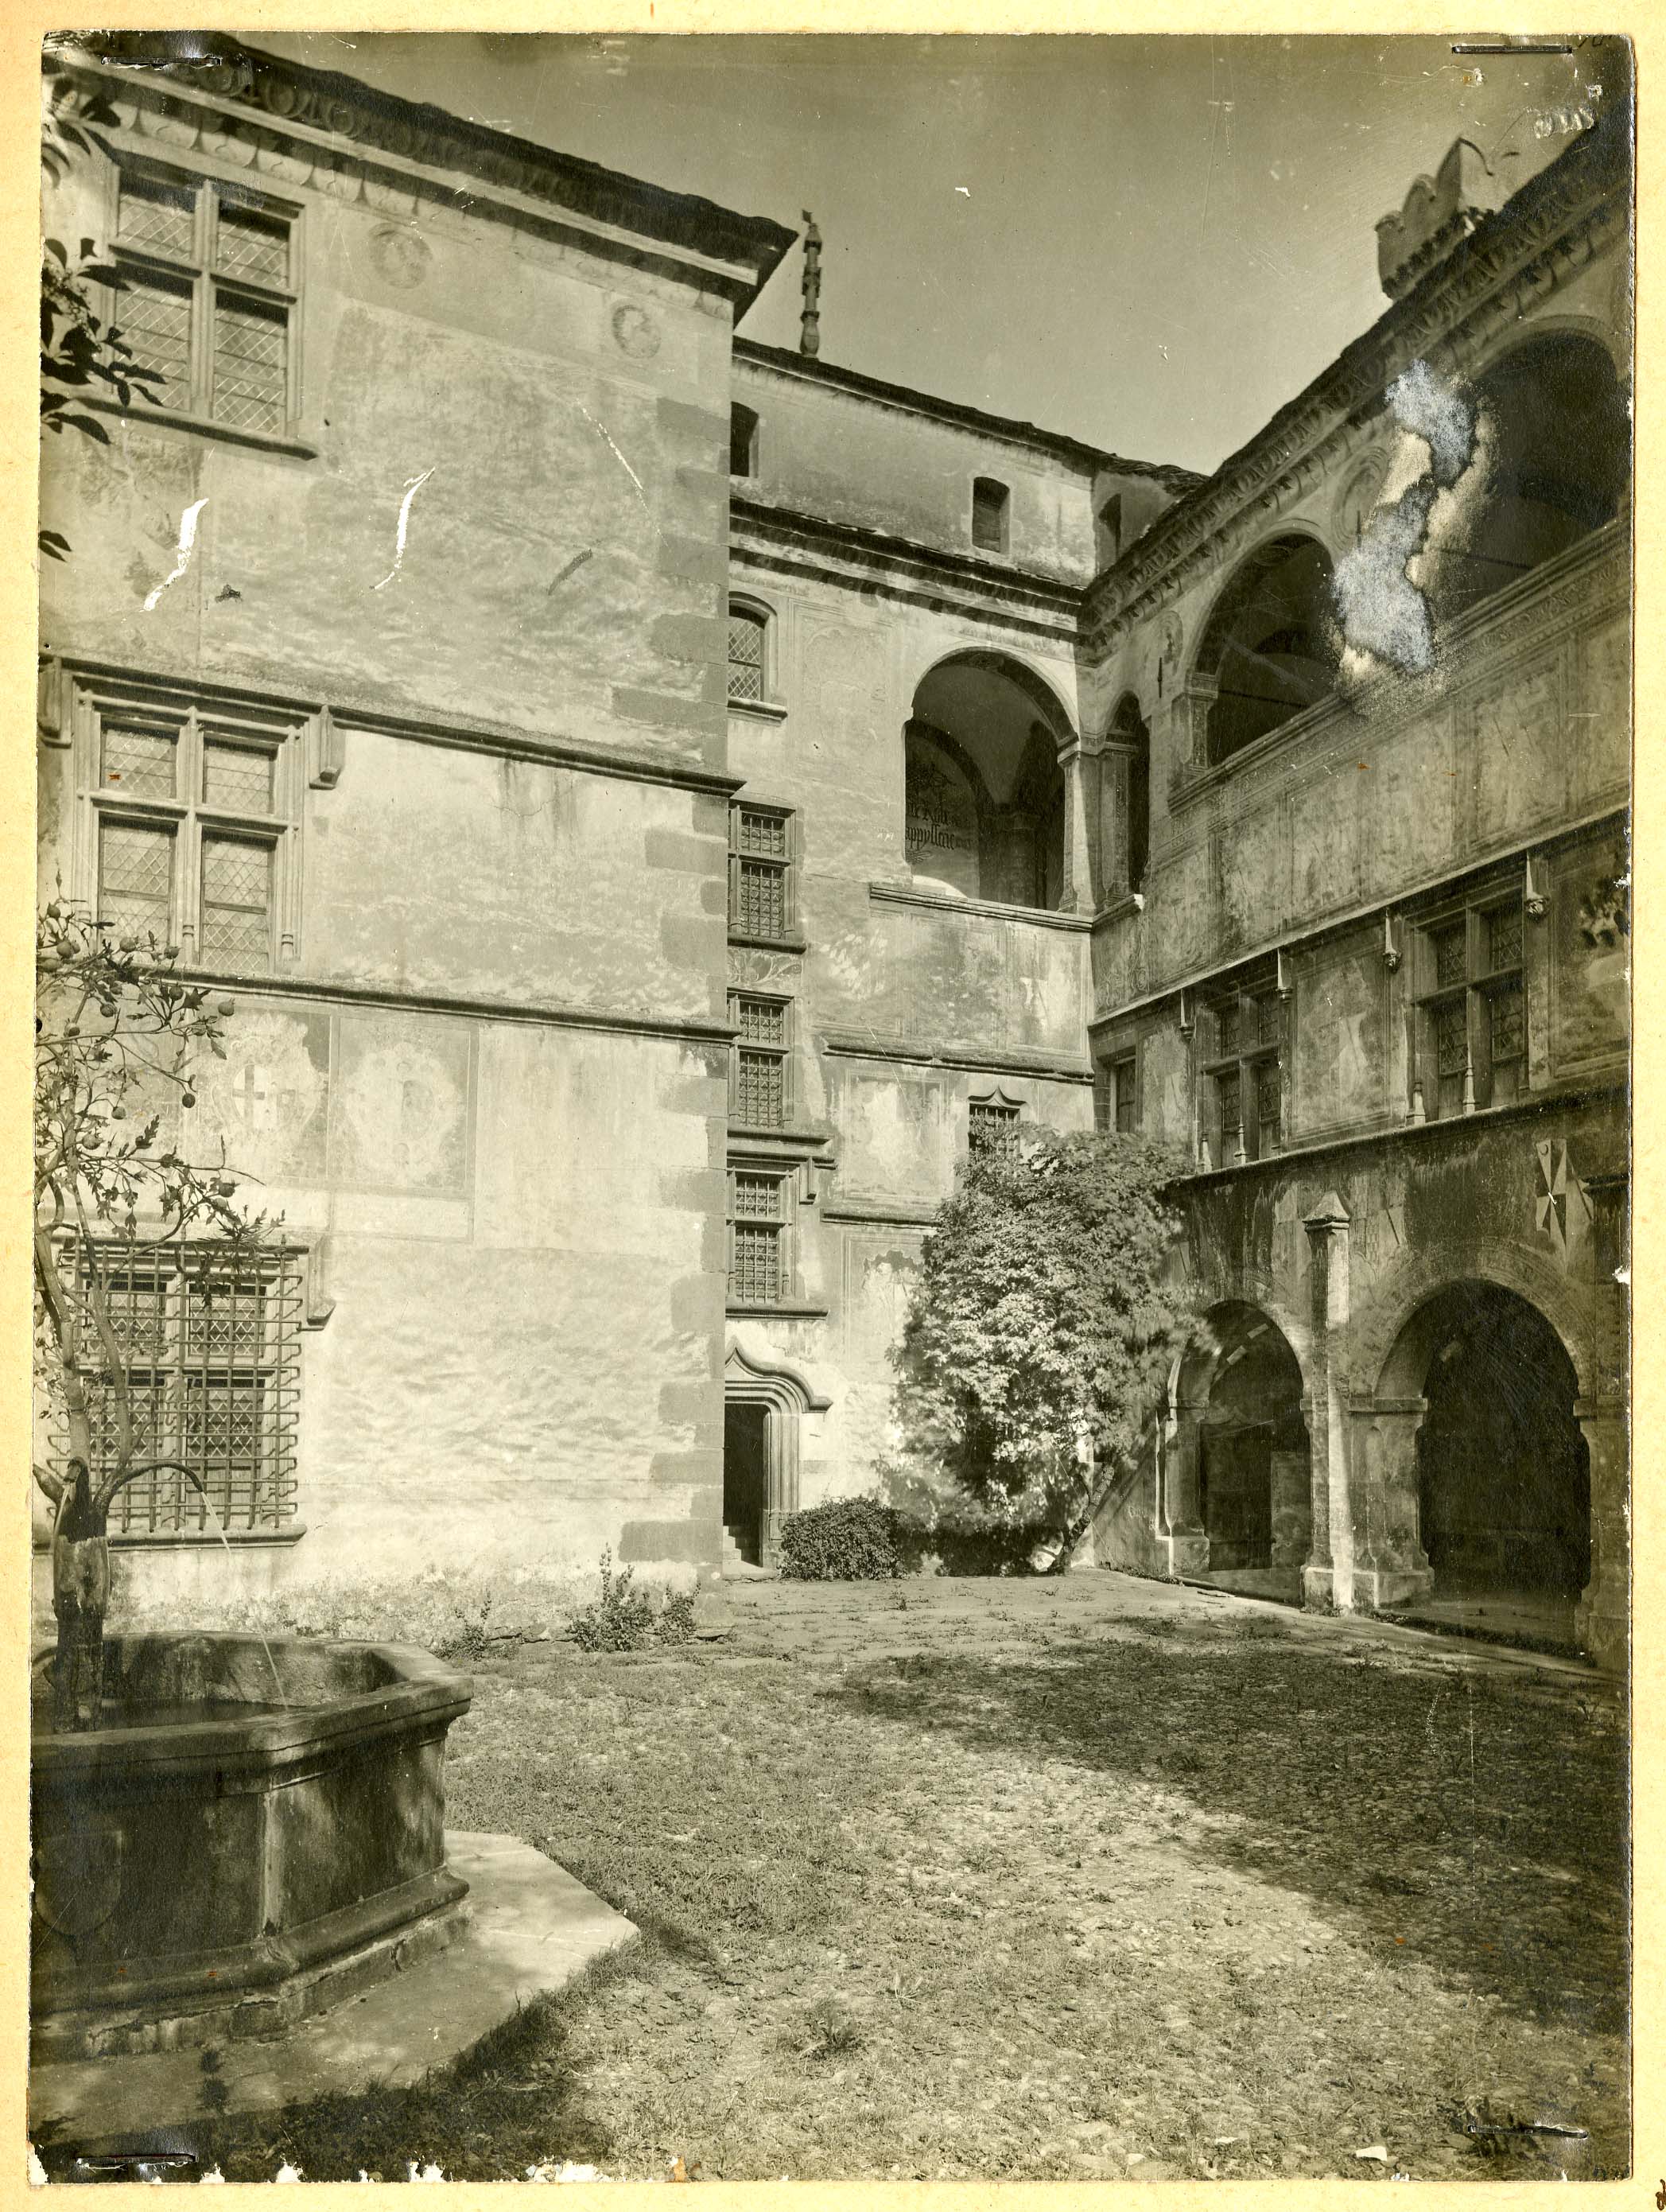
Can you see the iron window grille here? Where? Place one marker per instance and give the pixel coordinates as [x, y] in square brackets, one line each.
[760, 1092]
[192, 831]
[761, 890]
[211, 1345]
[992, 1125]
[1469, 1013]
[748, 637]
[209, 296]
[1243, 1074]
[760, 1230]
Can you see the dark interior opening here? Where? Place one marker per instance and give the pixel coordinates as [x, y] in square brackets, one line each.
[746, 1476]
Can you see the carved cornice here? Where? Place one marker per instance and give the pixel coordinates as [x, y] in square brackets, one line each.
[1497, 273]
[298, 107]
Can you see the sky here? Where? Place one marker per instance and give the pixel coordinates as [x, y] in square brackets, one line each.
[1149, 243]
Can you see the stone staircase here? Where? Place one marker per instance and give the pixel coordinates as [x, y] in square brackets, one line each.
[735, 1565]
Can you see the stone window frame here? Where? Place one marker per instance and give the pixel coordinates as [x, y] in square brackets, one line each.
[1460, 931]
[779, 1054]
[990, 519]
[194, 719]
[994, 1119]
[1117, 1099]
[199, 270]
[761, 619]
[782, 864]
[780, 1222]
[1238, 1055]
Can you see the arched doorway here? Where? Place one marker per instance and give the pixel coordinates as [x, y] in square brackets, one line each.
[1502, 1467]
[1242, 1452]
[985, 808]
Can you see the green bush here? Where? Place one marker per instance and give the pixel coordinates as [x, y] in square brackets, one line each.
[625, 1619]
[848, 1540]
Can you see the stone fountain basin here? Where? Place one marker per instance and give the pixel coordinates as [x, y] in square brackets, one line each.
[232, 1874]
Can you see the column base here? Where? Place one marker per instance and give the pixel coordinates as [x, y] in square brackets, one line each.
[1385, 1589]
[1319, 1590]
[1188, 1553]
[1603, 1634]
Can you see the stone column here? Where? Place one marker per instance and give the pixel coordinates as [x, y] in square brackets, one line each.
[1391, 1566]
[1602, 1619]
[1078, 894]
[1329, 1579]
[1183, 1532]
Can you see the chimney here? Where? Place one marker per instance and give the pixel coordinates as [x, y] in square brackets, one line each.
[810, 335]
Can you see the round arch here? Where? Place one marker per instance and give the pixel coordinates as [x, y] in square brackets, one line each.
[1126, 756]
[1501, 1468]
[1270, 647]
[1021, 669]
[1374, 1333]
[1557, 458]
[985, 793]
[1242, 1458]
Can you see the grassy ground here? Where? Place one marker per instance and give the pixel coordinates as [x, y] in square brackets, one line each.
[1082, 1878]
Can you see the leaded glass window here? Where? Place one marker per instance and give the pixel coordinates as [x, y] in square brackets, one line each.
[1243, 1112]
[992, 1124]
[194, 818]
[207, 297]
[746, 655]
[1470, 1034]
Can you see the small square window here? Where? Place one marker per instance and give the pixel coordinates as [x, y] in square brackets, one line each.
[759, 873]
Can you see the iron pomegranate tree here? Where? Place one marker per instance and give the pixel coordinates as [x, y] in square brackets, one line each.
[116, 1032]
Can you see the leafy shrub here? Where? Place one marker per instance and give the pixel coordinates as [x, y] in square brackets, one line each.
[848, 1540]
[625, 1619]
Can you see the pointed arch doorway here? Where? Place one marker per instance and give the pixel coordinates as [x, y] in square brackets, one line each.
[763, 1406]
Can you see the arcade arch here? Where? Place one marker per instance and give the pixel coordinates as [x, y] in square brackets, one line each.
[1270, 647]
[1241, 1454]
[985, 799]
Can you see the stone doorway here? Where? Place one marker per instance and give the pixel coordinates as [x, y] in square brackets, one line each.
[745, 1482]
[764, 1409]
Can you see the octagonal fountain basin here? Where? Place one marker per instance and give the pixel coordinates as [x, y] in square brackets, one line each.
[257, 1833]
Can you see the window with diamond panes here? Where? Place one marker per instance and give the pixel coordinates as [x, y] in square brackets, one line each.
[758, 1274]
[1243, 1117]
[210, 1345]
[759, 872]
[747, 634]
[208, 297]
[1470, 1031]
[193, 815]
[760, 1061]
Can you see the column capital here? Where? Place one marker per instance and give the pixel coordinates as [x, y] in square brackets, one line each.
[1327, 1218]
